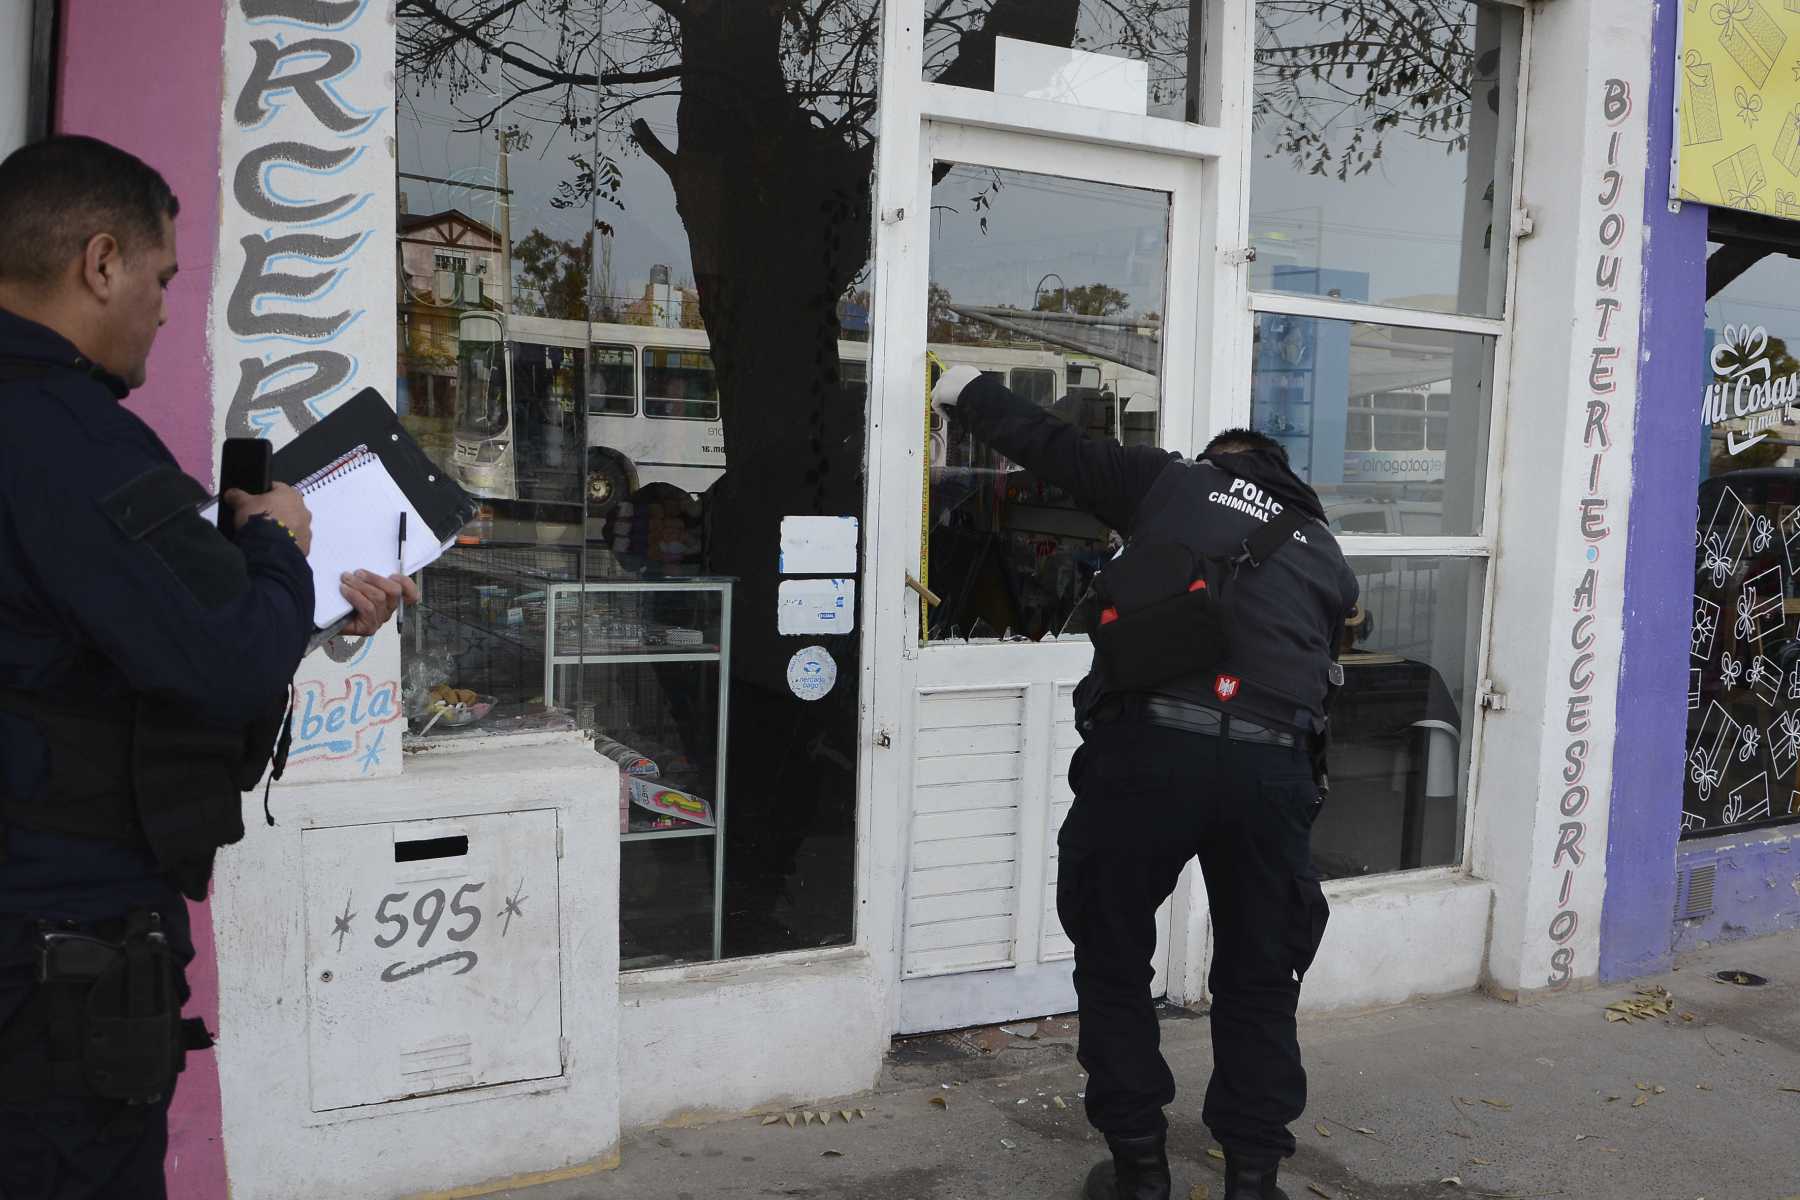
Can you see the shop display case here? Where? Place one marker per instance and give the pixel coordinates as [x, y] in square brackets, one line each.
[646, 665]
[512, 637]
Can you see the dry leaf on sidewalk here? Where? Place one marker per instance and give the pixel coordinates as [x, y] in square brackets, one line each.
[1451, 1181]
[1643, 1099]
[1218, 1154]
[1323, 1132]
[1650, 1002]
[1200, 1192]
[940, 1101]
[1316, 1190]
[1500, 1104]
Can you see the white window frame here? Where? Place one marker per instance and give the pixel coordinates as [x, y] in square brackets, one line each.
[1228, 309]
[1482, 546]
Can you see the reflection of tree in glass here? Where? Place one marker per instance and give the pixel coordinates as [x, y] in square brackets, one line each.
[940, 322]
[770, 157]
[550, 277]
[1154, 31]
[1334, 76]
[1088, 300]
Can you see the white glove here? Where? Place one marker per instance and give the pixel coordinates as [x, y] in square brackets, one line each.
[949, 389]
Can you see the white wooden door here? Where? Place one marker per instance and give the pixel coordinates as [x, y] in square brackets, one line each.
[986, 725]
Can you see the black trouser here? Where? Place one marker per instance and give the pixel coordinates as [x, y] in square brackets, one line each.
[1148, 799]
[61, 1147]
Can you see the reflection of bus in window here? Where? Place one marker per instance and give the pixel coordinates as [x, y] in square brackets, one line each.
[680, 384]
[482, 456]
[652, 407]
[1397, 437]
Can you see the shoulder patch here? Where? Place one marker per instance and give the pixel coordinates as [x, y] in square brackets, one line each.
[157, 510]
[152, 500]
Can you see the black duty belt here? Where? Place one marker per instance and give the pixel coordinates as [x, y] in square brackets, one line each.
[1192, 718]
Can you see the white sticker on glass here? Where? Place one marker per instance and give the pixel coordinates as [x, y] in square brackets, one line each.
[815, 606]
[818, 545]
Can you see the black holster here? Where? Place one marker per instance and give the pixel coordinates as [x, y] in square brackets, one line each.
[112, 1013]
[1318, 743]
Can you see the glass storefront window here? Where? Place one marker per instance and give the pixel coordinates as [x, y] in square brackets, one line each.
[640, 383]
[1157, 44]
[1382, 154]
[1054, 287]
[1389, 424]
[1743, 762]
[1399, 742]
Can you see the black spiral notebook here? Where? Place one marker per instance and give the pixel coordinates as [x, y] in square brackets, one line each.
[378, 501]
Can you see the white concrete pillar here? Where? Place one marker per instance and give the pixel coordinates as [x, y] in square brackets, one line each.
[15, 73]
[1564, 455]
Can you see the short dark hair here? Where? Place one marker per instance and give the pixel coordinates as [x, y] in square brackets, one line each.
[57, 194]
[1233, 441]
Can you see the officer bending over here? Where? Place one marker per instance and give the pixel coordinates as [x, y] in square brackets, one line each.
[145, 660]
[1214, 634]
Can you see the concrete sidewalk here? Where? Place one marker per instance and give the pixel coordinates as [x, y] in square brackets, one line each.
[1538, 1100]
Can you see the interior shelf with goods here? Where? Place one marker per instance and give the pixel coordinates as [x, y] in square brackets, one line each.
[513, 637]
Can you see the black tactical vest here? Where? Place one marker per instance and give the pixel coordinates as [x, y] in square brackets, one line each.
[143, 771]
[1285, 612]
[145, 774]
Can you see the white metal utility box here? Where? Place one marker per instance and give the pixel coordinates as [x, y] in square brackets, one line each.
[441, 968]
[419, 975]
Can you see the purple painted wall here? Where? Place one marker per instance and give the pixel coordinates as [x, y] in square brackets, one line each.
[1649, 754]
[165, 108]
[1756, 889]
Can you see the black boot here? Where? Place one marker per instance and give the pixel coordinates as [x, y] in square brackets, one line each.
[1245, 1182]
[1139, 1170]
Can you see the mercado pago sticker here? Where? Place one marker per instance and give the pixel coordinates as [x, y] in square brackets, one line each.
[1746, 388]
[811, 673]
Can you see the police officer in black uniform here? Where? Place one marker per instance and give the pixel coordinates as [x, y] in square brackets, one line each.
[145, 659]
[1217, 762]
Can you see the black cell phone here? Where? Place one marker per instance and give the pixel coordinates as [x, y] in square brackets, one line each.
[245, 464]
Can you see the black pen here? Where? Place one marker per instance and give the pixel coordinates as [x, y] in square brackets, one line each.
[400, 555]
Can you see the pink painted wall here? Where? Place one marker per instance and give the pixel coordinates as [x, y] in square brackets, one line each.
[165, 108]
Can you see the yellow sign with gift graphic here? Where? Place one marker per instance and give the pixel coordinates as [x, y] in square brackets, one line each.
[1737, 104]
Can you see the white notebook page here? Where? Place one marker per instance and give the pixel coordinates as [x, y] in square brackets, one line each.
[356, 507]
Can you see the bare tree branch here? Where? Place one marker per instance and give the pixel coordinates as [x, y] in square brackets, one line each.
[503, 51]
[653, 146]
